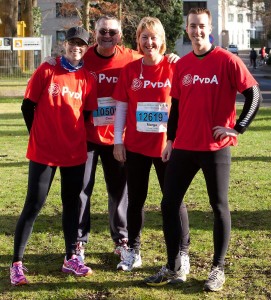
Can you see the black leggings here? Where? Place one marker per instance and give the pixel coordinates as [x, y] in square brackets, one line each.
[138, 171]
[39, 182]
[115, 179]
[181, 169]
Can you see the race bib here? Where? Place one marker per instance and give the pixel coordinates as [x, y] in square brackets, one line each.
[105, 114]
[151, 117]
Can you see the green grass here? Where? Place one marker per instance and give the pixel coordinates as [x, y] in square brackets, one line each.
[248, 267]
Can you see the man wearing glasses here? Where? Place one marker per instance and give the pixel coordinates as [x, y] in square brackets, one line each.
[104, 60]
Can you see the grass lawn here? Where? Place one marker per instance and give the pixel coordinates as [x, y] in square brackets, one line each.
[248, 267]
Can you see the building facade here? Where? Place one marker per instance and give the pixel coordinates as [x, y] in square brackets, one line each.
[57, 19]
[233, 22]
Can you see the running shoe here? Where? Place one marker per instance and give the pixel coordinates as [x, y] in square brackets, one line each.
[17, 274]
[215, 280]
[75, 266]
[80, 252]
[165, 276]
[120, 247]
[129, 260]
[185, 263]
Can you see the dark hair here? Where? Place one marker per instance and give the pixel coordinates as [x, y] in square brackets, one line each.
[199, 11]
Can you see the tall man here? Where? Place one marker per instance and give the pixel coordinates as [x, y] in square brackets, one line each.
[201, 128]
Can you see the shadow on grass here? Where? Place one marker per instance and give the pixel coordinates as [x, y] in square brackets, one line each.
[199, 220]
[251, 158]
[50, 266]
[13, 133]
[260, 128]
[12, 164]
[15, 125]
[12, 116]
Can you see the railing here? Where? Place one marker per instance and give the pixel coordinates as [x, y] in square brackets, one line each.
[19, 63]
[16, 67]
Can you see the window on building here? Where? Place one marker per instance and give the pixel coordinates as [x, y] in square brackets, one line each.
[66, 10]
[241, 3]
[249, 18]
[60, 36]
[192, 4]
[230, 17]
[240, 18]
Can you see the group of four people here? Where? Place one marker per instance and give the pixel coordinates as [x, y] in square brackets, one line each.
[180, 117]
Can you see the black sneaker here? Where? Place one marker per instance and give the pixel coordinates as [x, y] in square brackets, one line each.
[165, 276]
[215, 280]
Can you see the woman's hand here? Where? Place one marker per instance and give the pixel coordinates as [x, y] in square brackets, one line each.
[167, 151]
[172, 57]
[119, 152]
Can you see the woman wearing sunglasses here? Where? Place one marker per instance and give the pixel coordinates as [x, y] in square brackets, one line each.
[142, 109]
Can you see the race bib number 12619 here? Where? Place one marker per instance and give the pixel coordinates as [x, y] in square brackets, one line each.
[151, 117]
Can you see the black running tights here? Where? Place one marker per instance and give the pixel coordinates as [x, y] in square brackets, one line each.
[181, 169]
[39, 182]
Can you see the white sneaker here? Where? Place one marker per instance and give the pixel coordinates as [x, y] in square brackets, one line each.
[215, 280]
[129, 260]
[80, 252]
[185, 262]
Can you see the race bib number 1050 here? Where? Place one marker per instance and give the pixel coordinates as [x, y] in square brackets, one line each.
[105, 114]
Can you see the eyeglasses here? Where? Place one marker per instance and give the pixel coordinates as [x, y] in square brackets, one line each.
[78, 43]
[111, 32]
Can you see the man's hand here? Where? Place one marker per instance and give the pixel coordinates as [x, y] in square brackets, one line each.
[221, 132]
[50, 60]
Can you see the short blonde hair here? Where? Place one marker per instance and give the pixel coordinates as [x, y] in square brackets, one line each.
[154, 25]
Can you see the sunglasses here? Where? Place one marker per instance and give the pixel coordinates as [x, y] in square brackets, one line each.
[111, 32]
[78, 43]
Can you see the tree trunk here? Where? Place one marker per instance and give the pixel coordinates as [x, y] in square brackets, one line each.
[27, 17]
[85, 15]
[9, 18]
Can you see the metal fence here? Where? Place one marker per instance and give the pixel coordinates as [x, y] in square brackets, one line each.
[16, 67]
[22, 63]
[18, 63]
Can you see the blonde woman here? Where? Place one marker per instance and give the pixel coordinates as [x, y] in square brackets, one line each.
[143, 105]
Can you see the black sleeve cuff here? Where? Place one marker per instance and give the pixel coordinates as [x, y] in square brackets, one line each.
[239, 128]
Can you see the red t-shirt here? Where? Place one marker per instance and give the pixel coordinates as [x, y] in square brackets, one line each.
[206, 90]
[58, 136]
[106, 71]
[148, 105]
